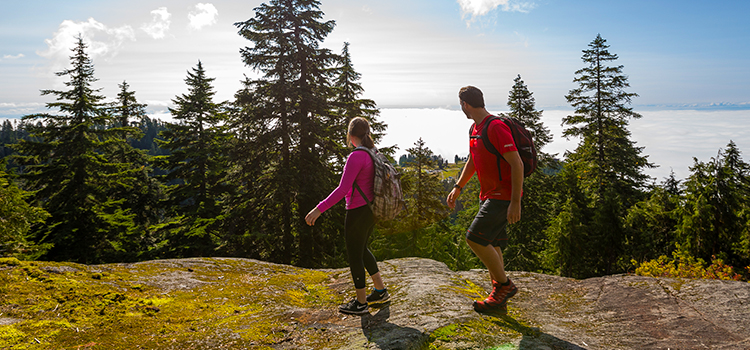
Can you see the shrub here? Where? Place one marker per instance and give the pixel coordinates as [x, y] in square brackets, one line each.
[683, 265]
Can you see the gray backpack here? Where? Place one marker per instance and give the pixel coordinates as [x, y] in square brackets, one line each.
[389, 200]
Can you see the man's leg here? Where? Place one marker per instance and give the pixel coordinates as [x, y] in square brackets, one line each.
[492, 258]
[503, 278]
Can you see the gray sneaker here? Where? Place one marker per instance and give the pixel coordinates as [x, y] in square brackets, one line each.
[353, 308]
[378, 297]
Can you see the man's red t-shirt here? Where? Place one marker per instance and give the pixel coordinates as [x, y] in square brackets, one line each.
[485, 162]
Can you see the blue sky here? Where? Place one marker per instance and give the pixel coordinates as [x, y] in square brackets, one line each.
[413, 54]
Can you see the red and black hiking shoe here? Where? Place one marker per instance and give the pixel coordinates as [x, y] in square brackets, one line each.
[491, 307]
[502, 292]
[497, 302]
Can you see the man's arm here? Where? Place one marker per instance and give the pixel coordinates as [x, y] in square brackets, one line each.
[516, 178]
[466, 175]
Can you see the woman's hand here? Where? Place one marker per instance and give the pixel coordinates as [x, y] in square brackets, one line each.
[312, 216]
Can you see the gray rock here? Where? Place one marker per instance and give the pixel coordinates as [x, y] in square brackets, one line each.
[550, 312]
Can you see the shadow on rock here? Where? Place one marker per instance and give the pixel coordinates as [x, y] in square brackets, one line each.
[533, 338]
[386, 335]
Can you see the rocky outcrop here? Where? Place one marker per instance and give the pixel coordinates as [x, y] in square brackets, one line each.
[222, 303]
[432, 305]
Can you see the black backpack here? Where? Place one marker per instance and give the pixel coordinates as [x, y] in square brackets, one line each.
[522, 139]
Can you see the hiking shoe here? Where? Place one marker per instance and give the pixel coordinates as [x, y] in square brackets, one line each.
[491, 307]
[501, 293]
[353, 308]
[378, 297]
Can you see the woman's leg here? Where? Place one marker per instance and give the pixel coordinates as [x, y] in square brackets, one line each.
[357, 225]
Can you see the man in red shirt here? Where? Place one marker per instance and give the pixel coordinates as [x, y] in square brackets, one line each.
[500, 194]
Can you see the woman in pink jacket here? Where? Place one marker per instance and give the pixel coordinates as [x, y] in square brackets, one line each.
[359, 220]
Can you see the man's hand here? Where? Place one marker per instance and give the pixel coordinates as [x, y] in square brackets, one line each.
[514, 212]
[452, 197]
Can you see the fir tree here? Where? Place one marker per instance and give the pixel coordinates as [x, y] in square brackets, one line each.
[521, 103]
[600, 121]
[143, 192]
[126, 107]
[70, 163]
[606, 164]
[424, 193]
[17, 219]
[197, 167]
[348, 103]
[715, 216]
[284, 121]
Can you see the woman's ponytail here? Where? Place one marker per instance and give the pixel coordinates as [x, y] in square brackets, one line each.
[360, 128]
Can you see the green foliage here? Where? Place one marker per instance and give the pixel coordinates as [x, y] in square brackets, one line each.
[79, 170]
[527, 238]
[603, 175]
[196, 168]
[418, 230]
[650, 225]
[16, 220]
[715, 215]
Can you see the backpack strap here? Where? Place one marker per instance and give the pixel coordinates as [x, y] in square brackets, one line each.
[484, 136]
[355, 186]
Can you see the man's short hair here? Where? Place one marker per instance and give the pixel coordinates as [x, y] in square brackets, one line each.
[472, 95]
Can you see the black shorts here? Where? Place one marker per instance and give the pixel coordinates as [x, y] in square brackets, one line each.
[488, 227]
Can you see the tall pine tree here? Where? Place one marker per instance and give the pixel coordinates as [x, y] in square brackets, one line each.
[348, 102]
[606, 164]
[71, 164]
[144, 192]
[522, 107]
[524, 250]
[197, 168]
[285, 145]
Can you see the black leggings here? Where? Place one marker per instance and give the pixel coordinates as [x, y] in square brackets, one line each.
[358, 226]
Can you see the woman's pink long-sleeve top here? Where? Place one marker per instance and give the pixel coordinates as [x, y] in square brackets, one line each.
[358, 168]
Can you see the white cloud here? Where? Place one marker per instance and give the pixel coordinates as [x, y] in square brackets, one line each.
[12, 57]
[203, 15]
[160, 21]
[102, 41]
[20, 109]
[478, 8]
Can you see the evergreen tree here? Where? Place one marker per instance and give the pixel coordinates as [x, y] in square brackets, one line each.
[600, 121]
[651, 224]
[607, 164]
[71, 165]
[197, 168]
[715, 216]
[521, 103]
[528, 239]
[286, 143]
[348, 103]
[127, 107]
[424, 193]
[17, 218]
[7, 138]
[143, 193]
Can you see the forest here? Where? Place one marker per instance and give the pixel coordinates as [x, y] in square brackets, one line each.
[96, 180]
